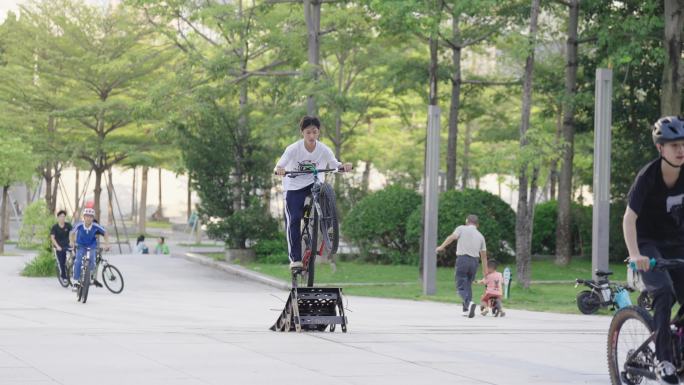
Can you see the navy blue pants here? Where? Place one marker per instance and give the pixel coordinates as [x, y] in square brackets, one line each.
[294, 210]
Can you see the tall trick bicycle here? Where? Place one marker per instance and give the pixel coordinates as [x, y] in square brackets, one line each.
[320, 217]
[631, 341]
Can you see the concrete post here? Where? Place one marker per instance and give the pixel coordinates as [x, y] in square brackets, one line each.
[430, 199]
[601, 209]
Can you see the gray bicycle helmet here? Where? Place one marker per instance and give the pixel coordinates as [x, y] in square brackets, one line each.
[668, 129]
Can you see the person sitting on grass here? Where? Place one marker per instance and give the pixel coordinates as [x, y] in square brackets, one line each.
[162, 247]
[493, 291]
[140, 246]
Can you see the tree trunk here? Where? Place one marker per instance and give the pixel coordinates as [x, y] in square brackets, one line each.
[525, 212]
[47, 175]
[98, 192]
[465, 173]
[55, 186]
[365, 178]
[553, 170]
[452, 140]
[563, 230]
[3, 213]
[312, 15]
[159, 214]
[142, 209]
[671, 87]
[190, 196]
[110, 200]
[133, 195]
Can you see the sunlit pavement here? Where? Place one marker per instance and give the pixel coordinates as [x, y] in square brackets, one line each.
[181, 323]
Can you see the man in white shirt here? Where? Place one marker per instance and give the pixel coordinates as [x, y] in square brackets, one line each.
[304, 151]
[470, 249]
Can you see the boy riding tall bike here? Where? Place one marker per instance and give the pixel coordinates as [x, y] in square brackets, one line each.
[84, 238]
[304, 152]
[653, 227]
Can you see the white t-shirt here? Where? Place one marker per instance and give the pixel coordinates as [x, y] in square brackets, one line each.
[470, 241]
[296, 154]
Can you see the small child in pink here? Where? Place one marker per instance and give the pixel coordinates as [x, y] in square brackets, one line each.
[493, 291]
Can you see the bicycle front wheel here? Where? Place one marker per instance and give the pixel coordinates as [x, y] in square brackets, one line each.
[85, 281]
[330, 228]
[64, 282]
[630, 328]
[112, 278]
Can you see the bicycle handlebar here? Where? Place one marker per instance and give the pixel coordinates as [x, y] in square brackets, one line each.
[662, 263]
[304, 172]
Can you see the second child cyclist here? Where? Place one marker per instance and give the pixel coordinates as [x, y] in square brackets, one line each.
[307, 150]
[84, 236]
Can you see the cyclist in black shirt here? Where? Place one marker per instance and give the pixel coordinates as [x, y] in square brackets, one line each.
[653, 227]
[59, 235]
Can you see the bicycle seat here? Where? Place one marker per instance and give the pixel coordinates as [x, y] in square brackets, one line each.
[602, 273]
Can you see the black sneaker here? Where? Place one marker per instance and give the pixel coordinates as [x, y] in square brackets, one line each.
[75, 286]
[666, 373]
[96, 283]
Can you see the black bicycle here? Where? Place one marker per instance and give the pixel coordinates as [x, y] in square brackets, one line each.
[68, 266]
[320, 215]
[631, 341]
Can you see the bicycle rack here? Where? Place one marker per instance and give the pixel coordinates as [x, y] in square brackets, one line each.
[312, 309]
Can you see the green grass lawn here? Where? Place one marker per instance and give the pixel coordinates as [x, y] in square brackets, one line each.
[402, 282]
[158, 225]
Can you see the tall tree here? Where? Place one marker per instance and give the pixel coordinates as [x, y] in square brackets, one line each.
[527, 179]
[16, 165]
[563, 229]
[673, 74]
[106, 55]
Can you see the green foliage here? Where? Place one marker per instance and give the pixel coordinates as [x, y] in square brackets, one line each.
[253, 223]
[377, 224]
[43, 265]
[497, 222]
[545, 223]
[272, 250]
[35, 226]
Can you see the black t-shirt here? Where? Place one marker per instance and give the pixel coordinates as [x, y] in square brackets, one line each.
[660, 209]
[61, 234]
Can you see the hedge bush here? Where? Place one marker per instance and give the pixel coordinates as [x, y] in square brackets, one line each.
[377, 225]
[497, 222]
[272, 250]
[545, 224]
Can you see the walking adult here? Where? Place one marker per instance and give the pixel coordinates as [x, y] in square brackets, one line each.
[470, 250]
[59, 235]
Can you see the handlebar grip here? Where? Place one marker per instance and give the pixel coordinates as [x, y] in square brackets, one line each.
[651, 264]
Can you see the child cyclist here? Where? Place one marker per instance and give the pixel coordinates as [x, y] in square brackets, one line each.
[307, 150]
[494, 289]
[653, 227]
[83, 237]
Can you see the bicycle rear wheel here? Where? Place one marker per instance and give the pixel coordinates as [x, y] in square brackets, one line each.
[311, 268]
[630, 328]
[330, 228]
[112, 279]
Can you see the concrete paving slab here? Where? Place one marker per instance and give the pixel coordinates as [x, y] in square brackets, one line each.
[177, 322]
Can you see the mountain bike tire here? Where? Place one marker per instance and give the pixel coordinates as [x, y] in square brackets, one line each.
[85, 281]
[330, 227]
[110, 275]
[629, 328]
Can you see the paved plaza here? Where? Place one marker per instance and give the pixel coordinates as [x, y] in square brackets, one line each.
[178, 322]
